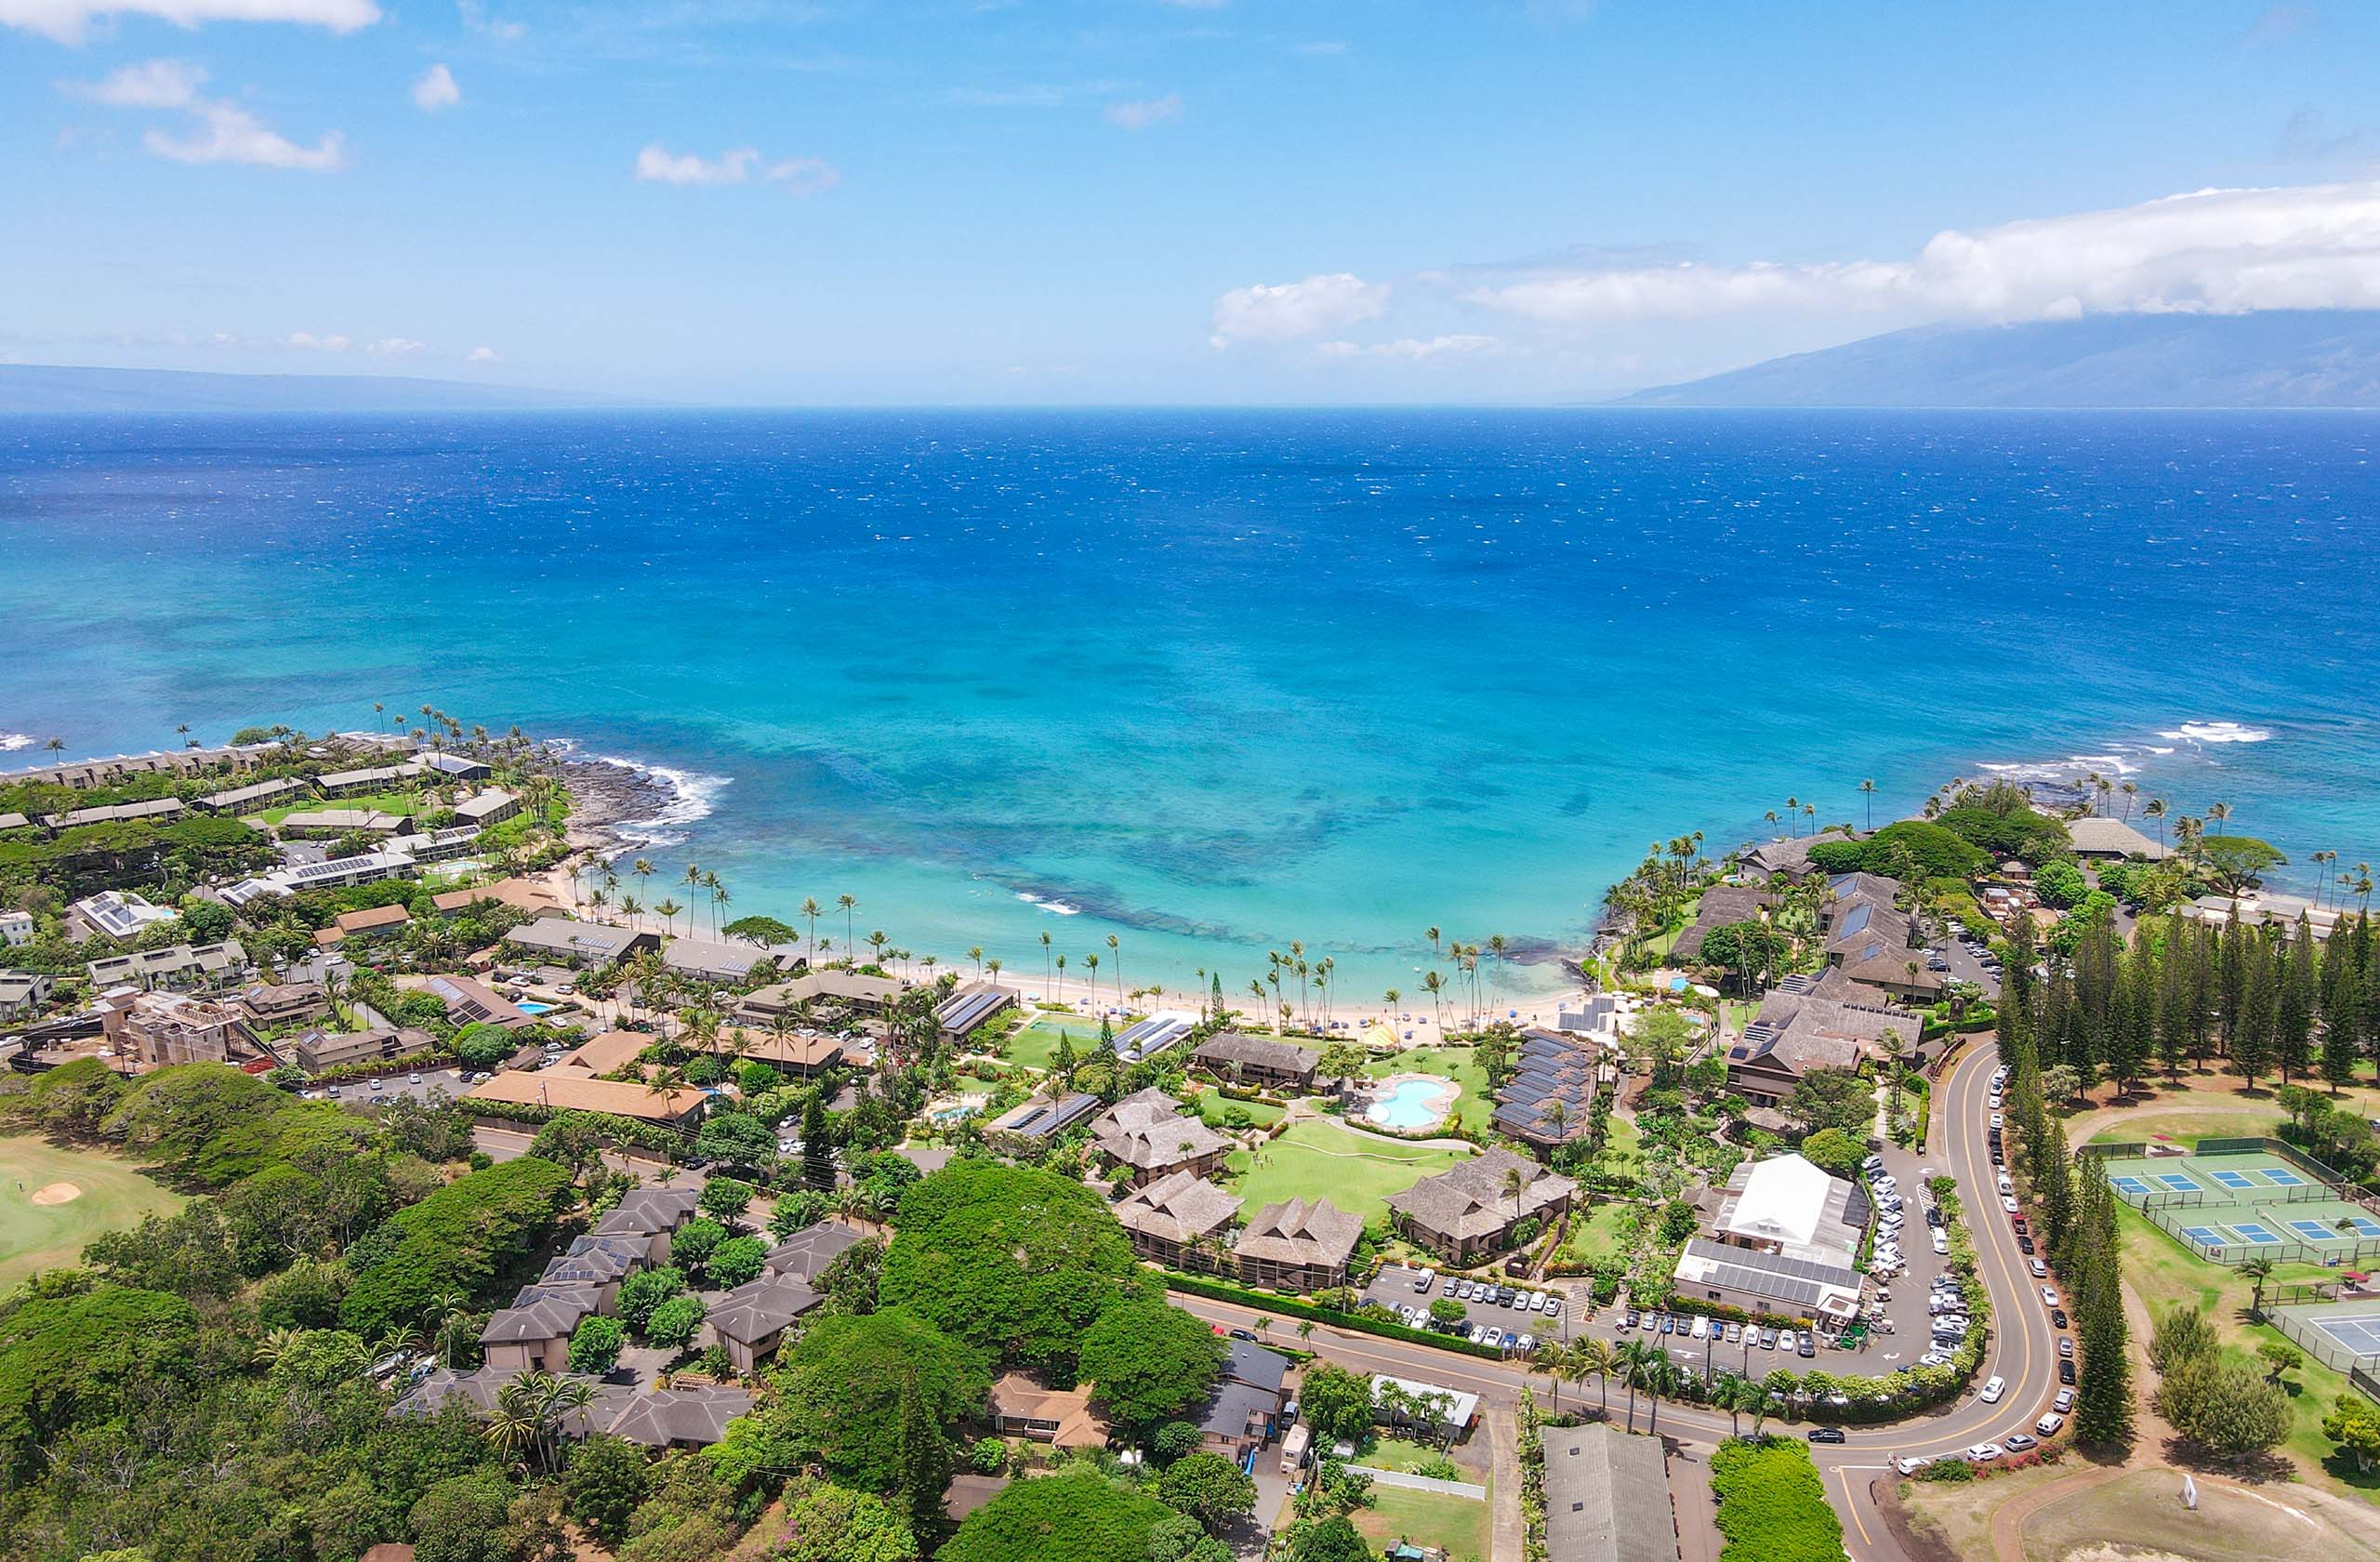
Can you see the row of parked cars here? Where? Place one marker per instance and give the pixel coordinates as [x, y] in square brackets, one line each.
[1973, 945]
[1486, 1294]
[1694, 1326]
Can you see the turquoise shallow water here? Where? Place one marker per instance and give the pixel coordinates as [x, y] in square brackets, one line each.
[1211, 681]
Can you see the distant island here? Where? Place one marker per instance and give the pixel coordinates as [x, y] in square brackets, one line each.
[2276, 359]
[61, 388]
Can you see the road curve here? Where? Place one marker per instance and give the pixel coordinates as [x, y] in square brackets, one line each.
[2022, 1348]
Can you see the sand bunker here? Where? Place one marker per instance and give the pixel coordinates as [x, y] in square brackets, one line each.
[57, 1193]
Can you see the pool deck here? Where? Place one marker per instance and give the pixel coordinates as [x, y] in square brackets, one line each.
[1428, 1098]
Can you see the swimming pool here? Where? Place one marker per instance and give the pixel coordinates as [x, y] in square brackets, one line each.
[1408, 1104]
[530, 1006]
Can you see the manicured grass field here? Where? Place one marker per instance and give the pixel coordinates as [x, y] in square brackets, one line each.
[385, 802]
[2188, 1124]
[1316, 1158]
[1032, 1044]
[1462, 1525]
[1596, 1233]
[1213, 1104]
[44, 1236]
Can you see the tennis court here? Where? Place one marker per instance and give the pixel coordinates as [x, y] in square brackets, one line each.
[2230, 1206]
[2336, 1333]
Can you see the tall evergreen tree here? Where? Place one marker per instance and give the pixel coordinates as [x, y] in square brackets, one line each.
[2253, 1038]
[2054, 1186]
[817, 1147]
[2176, 1020]
[2293, 1007]
[2103, 1390]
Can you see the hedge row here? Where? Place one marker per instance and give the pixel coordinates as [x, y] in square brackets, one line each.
[1291, 1307]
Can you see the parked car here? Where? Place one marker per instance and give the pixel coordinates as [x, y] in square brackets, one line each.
[2047, 1426]
[2057, 1318]
[1768, 1339]
[2064, 1403]
[1423, 1281]
[2066, 1346]
[1983, 1454]
[2066, 1372]
[2049, 1296]
[1809, 1345]
[1629, 1321]
[2018, 1442]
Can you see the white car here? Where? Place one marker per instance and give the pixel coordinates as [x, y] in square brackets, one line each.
[1996, 1120]
[2008, 1203]
[1941, 1243]
[1993, 1388]
[1701, 1328]
[2063, 1402]
[1983, 1454]
[2049, 1296]
[2047, 1426]
[1785, 1340]
[1910, 1466]
[2041, 1270]
[2006, 1184]
[1537, 1301]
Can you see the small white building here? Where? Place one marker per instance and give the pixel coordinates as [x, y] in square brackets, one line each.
[16, 927]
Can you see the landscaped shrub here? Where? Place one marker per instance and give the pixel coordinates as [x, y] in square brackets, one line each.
[1772, 1504]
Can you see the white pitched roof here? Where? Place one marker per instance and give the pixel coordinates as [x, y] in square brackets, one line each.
[1782, 1201]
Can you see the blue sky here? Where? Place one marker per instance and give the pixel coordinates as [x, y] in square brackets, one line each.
[1132, 200]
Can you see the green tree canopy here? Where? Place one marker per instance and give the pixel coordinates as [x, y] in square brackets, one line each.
[1837, 1098]
[1207, 1486]
[606, 1480]
[675, 1322]
[1147, 1359]
[1016, 1260]
[1835, 1151]
[841, 1386]
[1336, 1403]
[461, 1238]
[736, 1262]
[835, 1524]
[70, 1361]
[1077, 1516]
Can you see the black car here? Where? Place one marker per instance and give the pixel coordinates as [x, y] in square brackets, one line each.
[2058, 1316]
[2066, 1373]
[1629, 1321]
[1825, 1434]
[1934, 1217]
[2025, 1246]
[1243, 1334]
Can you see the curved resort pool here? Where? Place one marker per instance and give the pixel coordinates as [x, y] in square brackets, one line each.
[530, 1006]
[1408, 1104]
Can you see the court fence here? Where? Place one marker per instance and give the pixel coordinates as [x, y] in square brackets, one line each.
[2307, 1335]
[2360, 1253]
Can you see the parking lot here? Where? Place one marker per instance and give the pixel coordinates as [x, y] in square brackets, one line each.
[1394, 1288]
[418, 1086]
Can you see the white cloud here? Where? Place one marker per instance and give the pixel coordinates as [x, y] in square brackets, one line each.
[482, 355]
[1411, 349]
[69, 21]
[796, 176]
[476, 19]
[1140, 113]
[396, 347]
[2213, 251]
[305, 341]
[436, 90]
[1296, 308]
[1324, 49]
[224, 132]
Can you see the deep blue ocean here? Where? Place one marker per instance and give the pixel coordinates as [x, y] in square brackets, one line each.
[1213, 680]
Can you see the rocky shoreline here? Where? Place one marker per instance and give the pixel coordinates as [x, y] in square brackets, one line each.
[615, 806]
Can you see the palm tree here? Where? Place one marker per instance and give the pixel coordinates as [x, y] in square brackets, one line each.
[1793, 814]
[1591, 1358]
[1552, 1358]
[1662, 1375]
[1045, 960]
[2219, 813]
[2131, 789]
[668, 911]
[2155, 808]
[1116, 949]
[1868, 795]
[1091, 962]
[2257, 1269]
[642, 868]
[1627, 1361]
[847, 905]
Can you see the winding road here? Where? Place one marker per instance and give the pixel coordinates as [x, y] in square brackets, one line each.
[2023, 1346]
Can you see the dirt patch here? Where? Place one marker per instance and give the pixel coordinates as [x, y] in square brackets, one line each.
[57, 1193]
[2116, 1553]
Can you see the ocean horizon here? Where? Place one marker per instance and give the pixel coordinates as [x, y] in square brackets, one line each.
[1211, 681]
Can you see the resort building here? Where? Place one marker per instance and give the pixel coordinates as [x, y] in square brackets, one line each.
[1145, 1039]
[521, 894]
[1769, 1284]
[328, 824]
[726, 962]
[252, 798]
[1258, 1060]
[319, 1049]
[824, 991]
[2096, 837]
[801, 1053]
[568, 1091]
[650, 1215]
[441, 845]
[156, 810]
[1788, 1205]
[811, 1251]
[1042, 1119]
[270, 1005]
[470, 1003]
[1298, 1245]
[1871, 941]
[533, 1335]
[374, 922]
[606, 1051]
[1549, 1096]
[481, 809]
[23, 992]
[16, 927]
[339, 873]
[160, 1029]
[14, 822]
[83, 775]
[560, 938]
[1721, 906]
[1178, 1220]
[686, 1414]
[1607, 1496]
[1149, 1133]
[375, 778]
[182, 966]
[1790, 856]
[970, 1008]
[119, 914]
[453, 767]
[2262, 908]
[1471, 1209]
[1021, 1406]
[751, 1319]
[1796, 1032]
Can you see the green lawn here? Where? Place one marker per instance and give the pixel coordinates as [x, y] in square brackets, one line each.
[1316, 1158]
[1596, 1233]
[44, 1236]
[1212, 1105]
[2218, 1119]
[1032, 1044]
[2166, 1275]
[1403, 1453]
[1464, 1528]
[387, 802]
